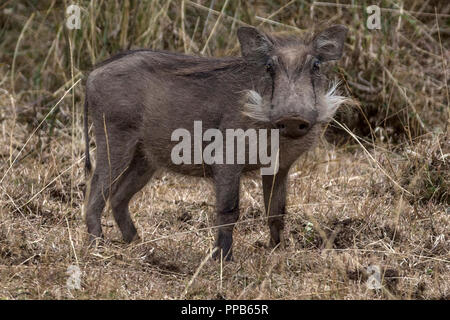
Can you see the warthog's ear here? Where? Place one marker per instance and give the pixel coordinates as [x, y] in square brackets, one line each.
[329, 44]
[255, 45]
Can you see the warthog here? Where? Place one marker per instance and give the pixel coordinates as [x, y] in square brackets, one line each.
[138, 98]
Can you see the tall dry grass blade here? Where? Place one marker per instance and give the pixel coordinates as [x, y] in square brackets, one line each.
[108, 153]
[215, 27]
[72, 144]
[71, 241]
[398, 11]
[278, 24]
[11, 133]
[183, 29]
[273, 185]
[37, 128]
[205, 26]
[200, 267]
[370, 156]
[405, 96]
[217, 13]
[273, 14]
[34, 196]
[124, 24]
[13, 65]
[444, 67]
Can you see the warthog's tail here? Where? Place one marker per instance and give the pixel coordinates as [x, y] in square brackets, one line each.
[87, 158]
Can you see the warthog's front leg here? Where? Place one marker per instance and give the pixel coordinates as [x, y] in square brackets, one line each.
[275, 193]
[227, 182]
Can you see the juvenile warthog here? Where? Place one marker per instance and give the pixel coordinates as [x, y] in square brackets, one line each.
[138, 98]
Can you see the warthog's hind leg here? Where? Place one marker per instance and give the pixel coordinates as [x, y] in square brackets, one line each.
[133, 179]
[96, 194]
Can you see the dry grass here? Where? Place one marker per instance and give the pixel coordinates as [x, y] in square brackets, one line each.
[383, 201]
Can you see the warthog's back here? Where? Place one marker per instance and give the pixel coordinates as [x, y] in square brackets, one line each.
[165, 83]
[148, 94]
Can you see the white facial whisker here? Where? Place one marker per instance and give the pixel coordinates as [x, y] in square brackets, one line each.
[332, 101]
[254, 106]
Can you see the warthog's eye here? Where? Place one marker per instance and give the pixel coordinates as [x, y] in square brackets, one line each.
[316, 66]
[270, 67]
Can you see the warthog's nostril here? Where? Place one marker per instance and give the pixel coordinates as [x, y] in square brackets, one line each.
[293, 127]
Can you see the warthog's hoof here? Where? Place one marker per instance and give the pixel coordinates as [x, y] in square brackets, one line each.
[95, 241]
[280, 244]
[132, 239]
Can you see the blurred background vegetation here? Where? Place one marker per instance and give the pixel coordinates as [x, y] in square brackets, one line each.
[397, 76]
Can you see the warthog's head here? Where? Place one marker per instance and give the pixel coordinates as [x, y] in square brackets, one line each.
[290, 90]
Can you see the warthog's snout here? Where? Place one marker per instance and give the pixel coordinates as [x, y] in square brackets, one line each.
[293, 127]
